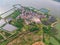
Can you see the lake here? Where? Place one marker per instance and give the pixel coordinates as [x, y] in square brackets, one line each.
[50, 4]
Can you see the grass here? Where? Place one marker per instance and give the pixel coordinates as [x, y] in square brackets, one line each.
[53, 40]
[18, 24]
[7, 34]
[1, 37]
[4, 43]
[15, 14]
[58, 28]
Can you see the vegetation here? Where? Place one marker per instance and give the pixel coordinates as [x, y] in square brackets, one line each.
[38, 32]
[15, 14]
[34, 28]
[26, 39]
[1, 37]
[4, 42]
[18, 23]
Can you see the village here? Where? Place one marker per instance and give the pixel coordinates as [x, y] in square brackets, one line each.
[20, 18]
[28, 17]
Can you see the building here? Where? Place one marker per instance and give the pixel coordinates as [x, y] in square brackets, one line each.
[52, 19]
[36, 20]
[44, 10]
[2, 22]
[9, 27]
[4, 15]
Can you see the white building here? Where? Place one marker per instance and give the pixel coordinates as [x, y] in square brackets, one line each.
[9, 27]
[7, 14]
[2, 22]
[36, 20]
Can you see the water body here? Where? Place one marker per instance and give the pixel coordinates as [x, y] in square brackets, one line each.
[50, 4]
[57, 0]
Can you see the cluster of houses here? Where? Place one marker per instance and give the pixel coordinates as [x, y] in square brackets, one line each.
[27, 15]
[30, 16]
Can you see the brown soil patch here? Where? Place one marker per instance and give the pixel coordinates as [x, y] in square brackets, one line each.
[26, 39]
[38, 43]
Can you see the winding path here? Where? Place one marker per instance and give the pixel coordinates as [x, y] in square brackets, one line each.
[53, 24]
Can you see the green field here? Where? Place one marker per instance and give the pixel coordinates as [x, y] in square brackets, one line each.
[58, 28]
[53, 40]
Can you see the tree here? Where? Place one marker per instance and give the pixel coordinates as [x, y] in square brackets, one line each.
[34, 27]
[46, 36]
[48, 31]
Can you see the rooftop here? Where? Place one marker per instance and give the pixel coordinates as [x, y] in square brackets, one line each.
[2, 22]
[9, 27]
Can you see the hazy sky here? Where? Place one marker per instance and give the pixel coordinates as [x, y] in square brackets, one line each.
[52, 5]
